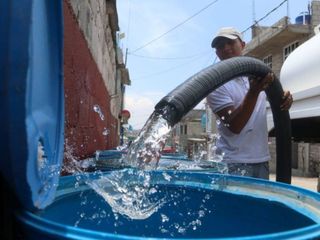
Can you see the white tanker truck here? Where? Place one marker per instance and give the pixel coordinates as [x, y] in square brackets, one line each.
[300, 74]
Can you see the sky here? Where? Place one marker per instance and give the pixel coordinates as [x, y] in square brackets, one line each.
[168, 41]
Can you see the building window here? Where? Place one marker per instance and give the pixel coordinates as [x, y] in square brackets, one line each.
[183, 129]
[268, 61]
[289, 49]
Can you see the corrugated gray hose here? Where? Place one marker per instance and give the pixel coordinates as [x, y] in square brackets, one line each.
[188, 94]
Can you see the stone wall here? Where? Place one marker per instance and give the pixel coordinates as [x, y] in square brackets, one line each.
[315, 12]
[314, 153]
[305, 158]
[273, 154]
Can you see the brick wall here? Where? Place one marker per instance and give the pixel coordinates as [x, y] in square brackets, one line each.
[89, 122]
[97, 20]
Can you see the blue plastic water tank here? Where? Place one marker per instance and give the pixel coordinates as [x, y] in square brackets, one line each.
[303, 18]
[31, 99]
[197, 205]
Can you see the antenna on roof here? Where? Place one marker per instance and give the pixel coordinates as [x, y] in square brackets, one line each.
[288, 13]
[253, 11]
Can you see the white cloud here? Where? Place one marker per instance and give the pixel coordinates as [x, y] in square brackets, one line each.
[140, 107]
[201, 105]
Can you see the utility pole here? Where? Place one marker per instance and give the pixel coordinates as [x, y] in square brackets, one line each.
[125, 58]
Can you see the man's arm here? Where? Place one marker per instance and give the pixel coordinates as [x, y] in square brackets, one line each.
[236, 118]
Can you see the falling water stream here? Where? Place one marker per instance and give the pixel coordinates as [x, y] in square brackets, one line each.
[132, 198]
[145, 151]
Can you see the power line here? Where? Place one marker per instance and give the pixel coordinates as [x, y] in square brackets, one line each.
[167, 58]
[168, 70]
[175, 58]
[256, 22]
[175, 27]
[209, 61]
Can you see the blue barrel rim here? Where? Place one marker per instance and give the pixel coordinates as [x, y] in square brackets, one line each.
[304, 232]
[60, 231]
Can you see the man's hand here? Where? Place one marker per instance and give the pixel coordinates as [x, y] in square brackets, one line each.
[258, 84]
[287, 101]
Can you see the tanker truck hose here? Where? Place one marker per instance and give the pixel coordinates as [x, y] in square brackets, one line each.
[188, 94]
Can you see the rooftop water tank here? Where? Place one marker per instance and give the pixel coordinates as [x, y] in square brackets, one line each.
[303, 18]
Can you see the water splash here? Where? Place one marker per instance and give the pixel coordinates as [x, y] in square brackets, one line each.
[129, 191]
[190, 219]
[97, 109]
[129, 195]
[105, 132]
[75, 166]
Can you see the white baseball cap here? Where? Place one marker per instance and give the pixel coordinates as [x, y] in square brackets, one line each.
[226, 32]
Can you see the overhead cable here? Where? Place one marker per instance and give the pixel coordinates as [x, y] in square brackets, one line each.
[167, 58]
[169, 69]
[175, 27]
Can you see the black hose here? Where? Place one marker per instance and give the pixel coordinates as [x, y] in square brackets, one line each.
[188, 94]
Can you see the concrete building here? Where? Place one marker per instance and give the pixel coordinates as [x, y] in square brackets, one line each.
[273, 45]
[95, 77]
[192, 133]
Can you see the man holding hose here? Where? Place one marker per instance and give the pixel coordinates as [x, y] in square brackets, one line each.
[240, 104]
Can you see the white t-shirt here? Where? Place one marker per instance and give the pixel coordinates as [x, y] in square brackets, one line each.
[251, 144]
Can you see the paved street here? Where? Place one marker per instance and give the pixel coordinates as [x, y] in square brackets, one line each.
[303, 182]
